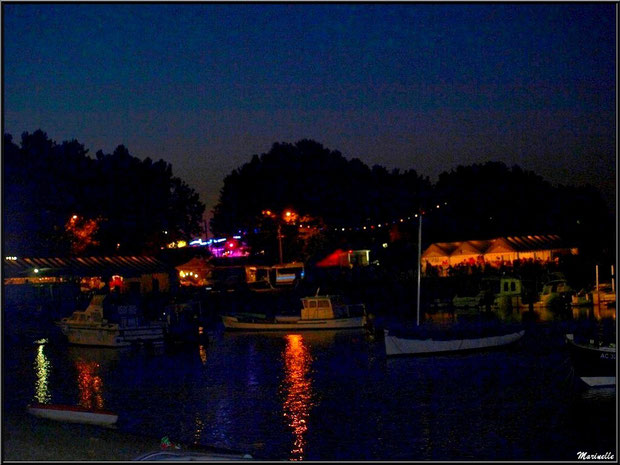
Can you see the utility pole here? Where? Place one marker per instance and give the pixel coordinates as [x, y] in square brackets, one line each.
[419, 268]
[280, 241]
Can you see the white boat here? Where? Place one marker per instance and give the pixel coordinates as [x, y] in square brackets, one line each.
[73, 414]
[192, 455]
[88, 327]
[553, 292]
[409, 345]
[318, 312]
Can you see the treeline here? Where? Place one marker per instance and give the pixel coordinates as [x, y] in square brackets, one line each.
[57, 200]
[480, 201]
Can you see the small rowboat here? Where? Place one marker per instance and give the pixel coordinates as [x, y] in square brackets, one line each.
[73, 414]
[399, 345]
[186, 456]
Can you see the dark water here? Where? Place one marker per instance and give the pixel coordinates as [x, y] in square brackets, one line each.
[329, 396]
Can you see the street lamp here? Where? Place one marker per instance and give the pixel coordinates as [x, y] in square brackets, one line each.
[280, 241]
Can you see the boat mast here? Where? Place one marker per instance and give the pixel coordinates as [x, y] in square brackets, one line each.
[419, 268]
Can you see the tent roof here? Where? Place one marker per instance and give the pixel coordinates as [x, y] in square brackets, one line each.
[468, 248]
[195, 263]
[333, 259]
[506, 244]
[439, 249]
[527, 243]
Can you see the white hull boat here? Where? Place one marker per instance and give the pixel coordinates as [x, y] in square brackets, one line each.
[73, 414]
[186, 456]
[318, 312]
[599, 381]
[91, 329]
[396, 345]
[233, 322]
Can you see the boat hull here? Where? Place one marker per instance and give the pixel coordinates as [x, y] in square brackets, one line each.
[73, 414]
[599, 381]
[111, 335]
[592, 361]
[232, 322]
[395, 346]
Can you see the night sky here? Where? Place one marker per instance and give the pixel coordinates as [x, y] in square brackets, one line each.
[422, 86]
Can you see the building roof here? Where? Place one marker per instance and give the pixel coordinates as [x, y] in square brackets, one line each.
[82, 266]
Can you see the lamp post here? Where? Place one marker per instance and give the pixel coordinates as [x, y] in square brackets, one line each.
[419, 269]
[280, 241]
[288, 216]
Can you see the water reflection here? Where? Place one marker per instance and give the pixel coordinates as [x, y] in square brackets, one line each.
[42, 369]
[203, 354]
[89, 364]
[298, 389]
[198, 428]
[89, 384]
[520, 314]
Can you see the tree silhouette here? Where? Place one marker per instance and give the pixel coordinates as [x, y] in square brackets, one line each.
[480, 201]
[125, 205]
[315, 181]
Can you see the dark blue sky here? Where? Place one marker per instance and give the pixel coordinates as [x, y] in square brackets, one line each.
[422, 86]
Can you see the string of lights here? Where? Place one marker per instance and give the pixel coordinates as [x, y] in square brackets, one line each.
[372, 225]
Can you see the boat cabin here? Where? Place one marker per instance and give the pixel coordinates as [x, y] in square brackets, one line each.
[92, 315]
[509, 286]
[559, 286]
[328, 307]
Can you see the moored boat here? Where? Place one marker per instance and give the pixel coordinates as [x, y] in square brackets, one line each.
[192, 455]
[594, 363]
[318, 312]
[89, 327]
[403, 344]
[73, 414]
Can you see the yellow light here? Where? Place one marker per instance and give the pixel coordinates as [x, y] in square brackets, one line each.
[42, 370]
[182, 274]
[181, 244]
[288, 213]
[74, 217]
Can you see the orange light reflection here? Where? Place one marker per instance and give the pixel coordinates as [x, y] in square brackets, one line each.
[297, 386]
[89, 384]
